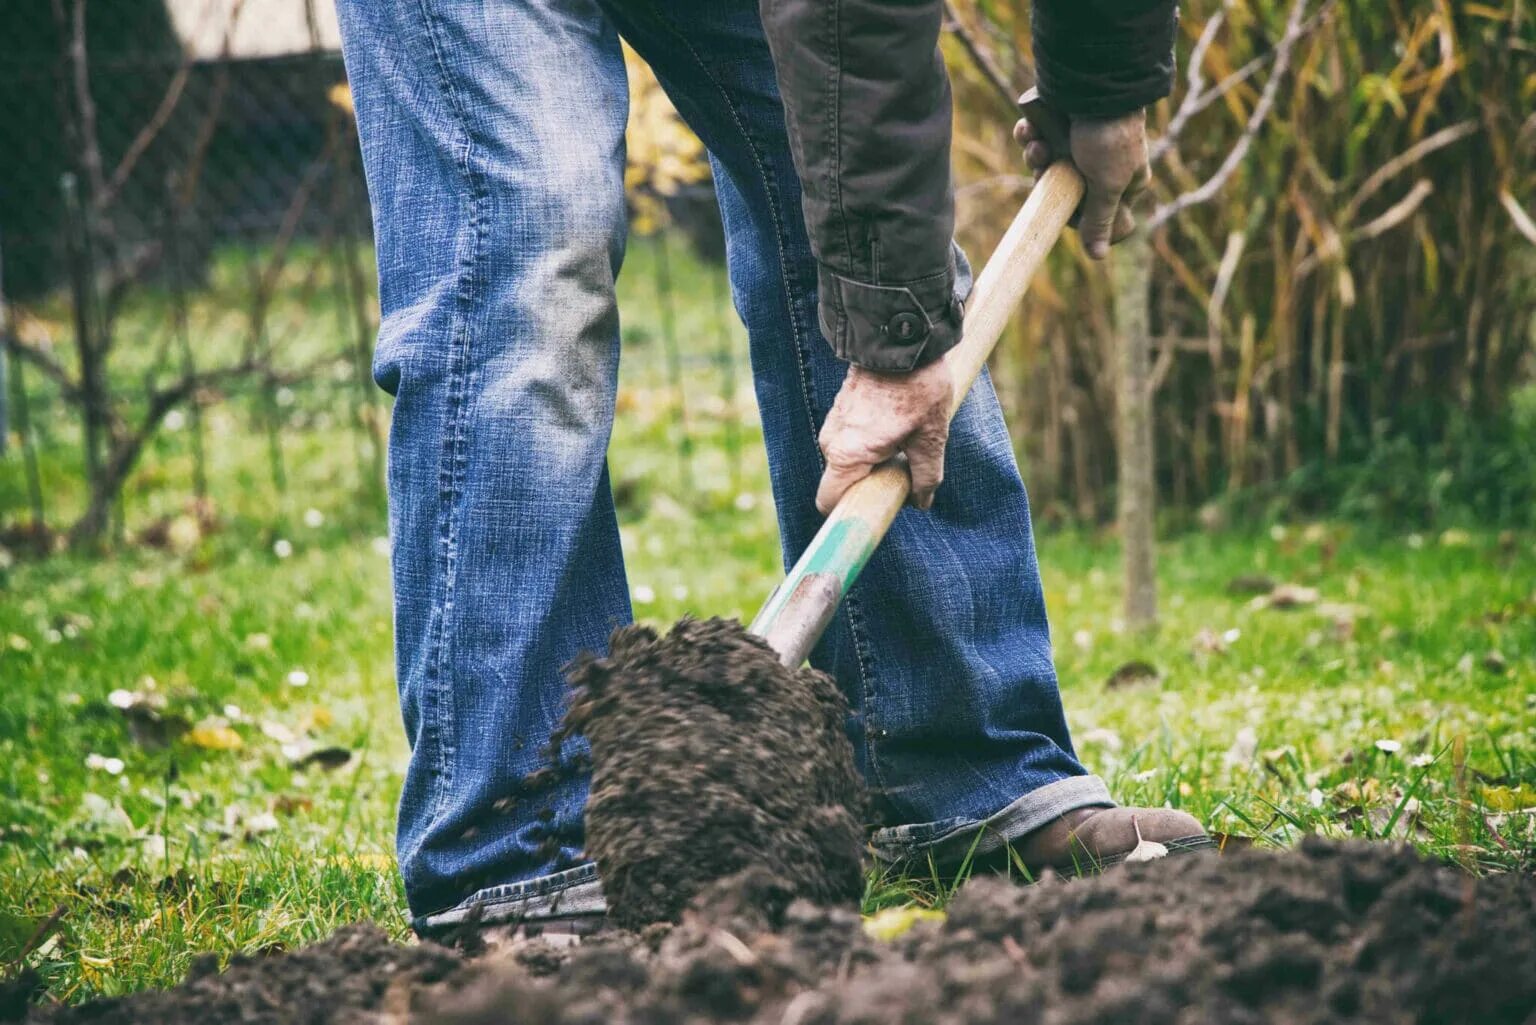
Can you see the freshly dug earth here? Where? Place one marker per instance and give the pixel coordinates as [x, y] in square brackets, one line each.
[709, 757]
[1327, 933]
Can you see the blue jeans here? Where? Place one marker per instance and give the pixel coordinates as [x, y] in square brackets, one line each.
[492, 136]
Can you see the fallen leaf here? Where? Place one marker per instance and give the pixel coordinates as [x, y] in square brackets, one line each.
[1209, 642]
[1145, 850]
[1291, 596]
[291, 804]
[890, 923]
[1132, 673]
[325, 758]
[1250, 584]
[1507, 799]
[151, 728]
[214, 737]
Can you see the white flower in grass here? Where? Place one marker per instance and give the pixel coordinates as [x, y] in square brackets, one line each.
[1244, 746]
[175, 420]
[314, 518]
[1315, 797]
[1232, 635]
[1390, 747]
[1107, 738]
[381, 546]
[644, 594]
[121, 698]
[261, 822]
[1083, 639]
[680, 592]
[1420, 760]
[53, 636]
[232, 711]
[298, 678]
[746, 502]
[111, 766]
[282, 548]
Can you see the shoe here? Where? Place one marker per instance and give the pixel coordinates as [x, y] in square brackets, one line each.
[1089, 840]
[475, 937]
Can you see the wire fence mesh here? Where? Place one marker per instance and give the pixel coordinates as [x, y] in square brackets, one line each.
[189, 286]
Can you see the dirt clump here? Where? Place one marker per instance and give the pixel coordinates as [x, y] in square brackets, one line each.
[1328, 933]
[341, 981]
[708, 758]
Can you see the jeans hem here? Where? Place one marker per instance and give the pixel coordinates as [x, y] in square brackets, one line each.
[568, 894]
[951, 840]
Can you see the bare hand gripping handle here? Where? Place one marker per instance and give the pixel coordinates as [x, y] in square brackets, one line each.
[800, 608]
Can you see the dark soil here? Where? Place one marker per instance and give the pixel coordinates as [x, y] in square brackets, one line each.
[709, 757]
[1327, 933]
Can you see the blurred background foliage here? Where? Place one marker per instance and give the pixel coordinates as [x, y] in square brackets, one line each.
[1339, 307]
[1347, 323]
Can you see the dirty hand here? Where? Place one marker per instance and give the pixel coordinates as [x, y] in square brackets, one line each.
[1112, 156]
[877, 415]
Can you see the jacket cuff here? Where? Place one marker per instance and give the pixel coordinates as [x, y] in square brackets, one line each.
[895, 327]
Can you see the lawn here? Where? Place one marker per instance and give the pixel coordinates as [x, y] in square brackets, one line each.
[199, 746]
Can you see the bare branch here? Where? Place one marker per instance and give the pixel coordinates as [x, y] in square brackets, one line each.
[1523, 222]
[1390, 218]
[145, 138]
[1213, 185]
[981, 56]
[1193, 105]
[1236, 242]
[45, 362]
[1195, 87]
[1397, 213]
[1407, 158]
[72, 26]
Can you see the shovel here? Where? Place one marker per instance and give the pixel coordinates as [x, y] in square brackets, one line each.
[798, 611]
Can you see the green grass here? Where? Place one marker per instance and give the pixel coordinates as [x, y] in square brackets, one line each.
[269, 634]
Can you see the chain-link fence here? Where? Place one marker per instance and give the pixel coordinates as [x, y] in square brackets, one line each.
[191, 296]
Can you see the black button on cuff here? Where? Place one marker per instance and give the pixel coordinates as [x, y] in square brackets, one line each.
[907, 327]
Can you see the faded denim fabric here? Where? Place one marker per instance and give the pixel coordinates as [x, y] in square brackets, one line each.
[492, 135]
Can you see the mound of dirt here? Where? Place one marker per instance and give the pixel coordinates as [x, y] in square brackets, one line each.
[1327, 933]
[709, 757]
[341, 981]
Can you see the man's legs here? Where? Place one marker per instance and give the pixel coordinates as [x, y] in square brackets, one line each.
[942, 646]
[493, 142]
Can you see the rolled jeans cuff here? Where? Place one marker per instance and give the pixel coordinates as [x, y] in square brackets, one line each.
[573, 893]
[951, 840]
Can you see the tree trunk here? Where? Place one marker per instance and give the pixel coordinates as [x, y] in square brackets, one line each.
[1137, 468]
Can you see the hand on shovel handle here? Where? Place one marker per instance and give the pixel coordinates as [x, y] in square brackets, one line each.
[795, 615]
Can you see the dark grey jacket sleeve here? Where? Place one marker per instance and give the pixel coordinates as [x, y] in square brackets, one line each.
[867, 100]
[1103, 58]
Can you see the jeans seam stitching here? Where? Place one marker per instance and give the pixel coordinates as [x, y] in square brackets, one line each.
[454, 456]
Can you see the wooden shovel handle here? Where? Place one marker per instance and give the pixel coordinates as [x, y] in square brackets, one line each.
[799, 610]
